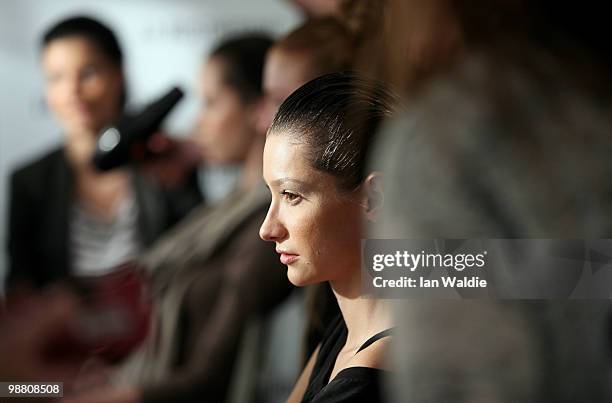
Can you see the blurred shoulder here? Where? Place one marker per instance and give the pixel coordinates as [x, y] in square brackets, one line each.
[41, 164]
[39, 172]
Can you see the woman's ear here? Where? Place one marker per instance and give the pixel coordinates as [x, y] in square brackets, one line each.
[373, 193]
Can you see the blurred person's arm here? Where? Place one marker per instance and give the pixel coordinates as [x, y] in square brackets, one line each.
[26, 334]
[107, 395]
[170, 160]
[302, 383]
[22, 219]
[172, 165]
[254, 283]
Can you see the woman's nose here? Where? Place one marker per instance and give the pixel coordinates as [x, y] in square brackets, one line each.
[271, 229]
[72, 87]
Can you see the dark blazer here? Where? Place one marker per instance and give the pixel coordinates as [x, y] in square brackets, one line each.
[39, 207]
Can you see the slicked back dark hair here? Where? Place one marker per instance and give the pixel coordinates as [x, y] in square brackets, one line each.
[337, 117]
[244, 58]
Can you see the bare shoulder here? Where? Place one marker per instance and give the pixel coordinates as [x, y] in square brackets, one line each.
[375, 355]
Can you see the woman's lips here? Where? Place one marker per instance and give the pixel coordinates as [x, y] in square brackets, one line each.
[288, 258]
[81, 108]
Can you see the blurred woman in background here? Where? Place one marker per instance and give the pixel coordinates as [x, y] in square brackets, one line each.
[66, 218]
[211, 273]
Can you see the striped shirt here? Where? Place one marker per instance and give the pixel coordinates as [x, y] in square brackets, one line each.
[97, 245]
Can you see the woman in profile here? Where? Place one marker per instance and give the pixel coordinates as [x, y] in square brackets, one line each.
[66, 218]
[314, 166]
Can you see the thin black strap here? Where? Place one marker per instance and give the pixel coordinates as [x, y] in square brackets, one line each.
[377, 336]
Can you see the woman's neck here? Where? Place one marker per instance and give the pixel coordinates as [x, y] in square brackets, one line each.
[80, 147]
[100, 192]
[363, 316]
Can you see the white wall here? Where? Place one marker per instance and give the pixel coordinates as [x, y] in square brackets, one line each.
[164, 42]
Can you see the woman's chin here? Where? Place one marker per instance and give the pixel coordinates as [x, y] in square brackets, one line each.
[298, 278]
[82, 128]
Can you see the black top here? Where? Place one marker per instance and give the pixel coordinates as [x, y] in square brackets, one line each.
[39, 204]
[353, 384]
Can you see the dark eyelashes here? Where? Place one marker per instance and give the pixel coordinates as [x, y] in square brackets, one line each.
[291, 197]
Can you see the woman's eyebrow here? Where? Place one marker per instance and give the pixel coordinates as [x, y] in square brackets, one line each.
[281, 181]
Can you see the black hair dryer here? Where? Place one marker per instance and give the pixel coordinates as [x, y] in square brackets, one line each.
[125, 142]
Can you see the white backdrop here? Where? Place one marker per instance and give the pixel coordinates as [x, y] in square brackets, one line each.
[164, 42]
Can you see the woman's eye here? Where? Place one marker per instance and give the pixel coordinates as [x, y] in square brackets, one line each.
[292, 198]
[89, 72]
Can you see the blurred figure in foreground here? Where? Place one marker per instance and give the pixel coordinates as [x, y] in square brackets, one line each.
[27, 335]
[507, 136]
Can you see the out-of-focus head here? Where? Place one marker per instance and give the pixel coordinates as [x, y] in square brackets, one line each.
[314, 165]
[426, 38]
[231, 92]
[316, 48]
[83, 66]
